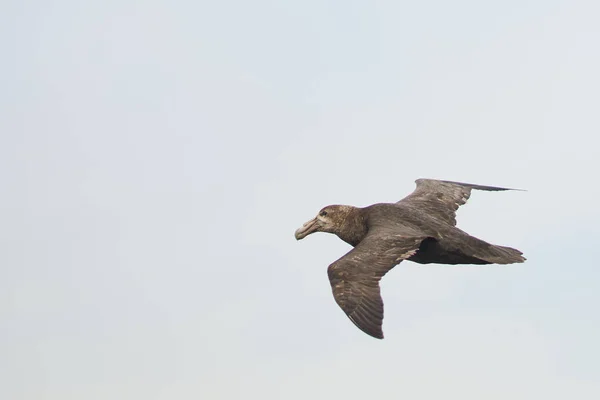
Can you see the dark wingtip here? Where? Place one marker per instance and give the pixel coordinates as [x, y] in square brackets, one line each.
[373, 331]
[483, 187]
[376, 334]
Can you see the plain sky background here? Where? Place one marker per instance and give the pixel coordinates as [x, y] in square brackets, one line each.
[157, 156]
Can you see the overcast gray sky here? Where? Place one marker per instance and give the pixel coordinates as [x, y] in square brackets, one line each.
[157, 156]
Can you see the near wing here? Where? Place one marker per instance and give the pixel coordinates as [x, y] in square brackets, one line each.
[442, 198]
[355, 277]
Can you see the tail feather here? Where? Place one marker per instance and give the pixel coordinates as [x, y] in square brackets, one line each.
[502, 255]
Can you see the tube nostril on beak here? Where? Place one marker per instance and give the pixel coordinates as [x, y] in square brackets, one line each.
[306, 229]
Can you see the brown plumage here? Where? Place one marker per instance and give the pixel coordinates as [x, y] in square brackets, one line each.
[420, 228]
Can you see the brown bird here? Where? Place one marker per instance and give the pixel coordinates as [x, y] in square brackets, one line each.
[420, 228]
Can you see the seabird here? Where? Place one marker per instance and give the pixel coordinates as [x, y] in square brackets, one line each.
[420, 228]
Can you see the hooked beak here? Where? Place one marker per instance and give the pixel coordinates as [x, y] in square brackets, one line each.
[306, 229]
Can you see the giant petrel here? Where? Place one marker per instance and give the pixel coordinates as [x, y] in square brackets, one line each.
[420, 228]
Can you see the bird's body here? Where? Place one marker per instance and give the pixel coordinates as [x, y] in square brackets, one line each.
[420, 228]
[445, 243]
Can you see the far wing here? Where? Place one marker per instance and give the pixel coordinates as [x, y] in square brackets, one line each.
[441, 199]
[355, 277]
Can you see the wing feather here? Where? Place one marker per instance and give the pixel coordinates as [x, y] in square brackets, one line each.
[441, 199]
[355, 277]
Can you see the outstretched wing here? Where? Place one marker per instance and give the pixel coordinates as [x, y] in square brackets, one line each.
[441, 199]
[355, 277]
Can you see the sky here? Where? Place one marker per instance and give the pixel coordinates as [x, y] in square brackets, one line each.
[156, 158]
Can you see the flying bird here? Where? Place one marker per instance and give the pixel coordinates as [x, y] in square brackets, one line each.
[420, 228]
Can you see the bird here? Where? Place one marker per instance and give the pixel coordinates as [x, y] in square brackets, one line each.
[420, 228]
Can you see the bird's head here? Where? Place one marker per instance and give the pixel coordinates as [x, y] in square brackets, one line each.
[330, 219]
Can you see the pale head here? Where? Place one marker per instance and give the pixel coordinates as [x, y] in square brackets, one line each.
[329, 219]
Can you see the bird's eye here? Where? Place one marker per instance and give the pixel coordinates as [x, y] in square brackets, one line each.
[323, 213]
